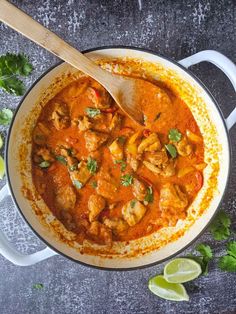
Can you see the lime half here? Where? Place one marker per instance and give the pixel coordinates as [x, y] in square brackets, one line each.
[2, 168]
[182, 270]
[166, 290]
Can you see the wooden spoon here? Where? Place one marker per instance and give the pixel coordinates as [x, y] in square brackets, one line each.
[122, 89]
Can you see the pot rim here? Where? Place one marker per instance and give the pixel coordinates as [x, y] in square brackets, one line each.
[51, 246]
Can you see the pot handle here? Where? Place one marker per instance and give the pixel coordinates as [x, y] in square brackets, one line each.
[223, 63]
[10, 253]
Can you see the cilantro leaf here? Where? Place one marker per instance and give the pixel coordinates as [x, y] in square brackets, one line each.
[11, 67]
[92, 165]
[61, 159]
[94, 184]
[77, 184]
[44, 164]
[174, 135]
[220, 227]
[5, 116]
[231, 248]
[92, 112]
[149, 196]
[132, 203]
[122, 164]
[121, 139]
[227, 263]
[204, 250]
[172, 150]
[126, 179]
[38, 286]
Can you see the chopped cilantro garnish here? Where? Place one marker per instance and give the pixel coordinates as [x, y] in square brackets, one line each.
[61, 159]
[171, 150]
[149, 196]
[94, 184]
[92, 112]
[44, 164]
[92, 165]
[77, 184]
[126, 179]
[121, 139]
[174, 135]
[122, 163]
[132, 203]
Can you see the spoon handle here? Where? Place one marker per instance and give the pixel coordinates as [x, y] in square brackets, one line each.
[24, 24]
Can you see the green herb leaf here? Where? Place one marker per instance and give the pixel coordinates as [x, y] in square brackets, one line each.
[220, 227]
[157, 116]
[5, 116]
[44, 164]
[132, 203]
[92, 165]
[174, 135]
[94, 184]
[92, 112]
[231, 248]
[149, 196]
[204, 250]
[126, 179]
[38, 286]
[172, 150]
[228, 262]
[61, 159]
[77, 184]
[73, 167]
[121, 139]
[122, 163]
[12, 66]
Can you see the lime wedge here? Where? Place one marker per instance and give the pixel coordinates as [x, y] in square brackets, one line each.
[181, 270]
[2, 168]
[166, 290]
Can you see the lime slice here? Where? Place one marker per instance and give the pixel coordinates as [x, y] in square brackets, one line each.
[181, 270]
[2, 168]
[166, 290]
[1, 141]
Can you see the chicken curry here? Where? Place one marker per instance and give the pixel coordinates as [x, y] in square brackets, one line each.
[107, 178]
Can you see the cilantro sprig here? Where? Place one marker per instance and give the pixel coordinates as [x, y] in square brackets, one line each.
[228, 262]
[92, 112]
[174, 135]
[127, 179]
[13, 66]
[220, 227]
[92, 165]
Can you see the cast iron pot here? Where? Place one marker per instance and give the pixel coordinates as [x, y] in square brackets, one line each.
[125, 261]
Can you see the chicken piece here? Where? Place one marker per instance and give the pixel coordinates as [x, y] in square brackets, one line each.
[65, 198]
[133, 162]
[94, 140]
[150, 144]
[99, 96]
[100, 233]
[84, 124]
[183, 147]
[117, 225]
[40, 134]
[60, 116]
[139, 189]
[151, 167]
[133, 212]
[80, 176]
[158, 159]
[96, 204]
[106, 188]
[169, 169]
[116, 150]
[43, 154]
[115, 122]
[172, 197]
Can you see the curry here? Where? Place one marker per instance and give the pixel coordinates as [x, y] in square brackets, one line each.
[107, 178]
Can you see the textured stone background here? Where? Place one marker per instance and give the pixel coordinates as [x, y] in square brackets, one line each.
[175, 29]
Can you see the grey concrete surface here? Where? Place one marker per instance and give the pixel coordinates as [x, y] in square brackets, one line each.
[175, 29]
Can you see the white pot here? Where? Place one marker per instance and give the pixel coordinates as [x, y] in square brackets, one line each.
[217, 150]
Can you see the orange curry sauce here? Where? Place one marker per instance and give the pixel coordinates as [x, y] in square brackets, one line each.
[125, 191]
